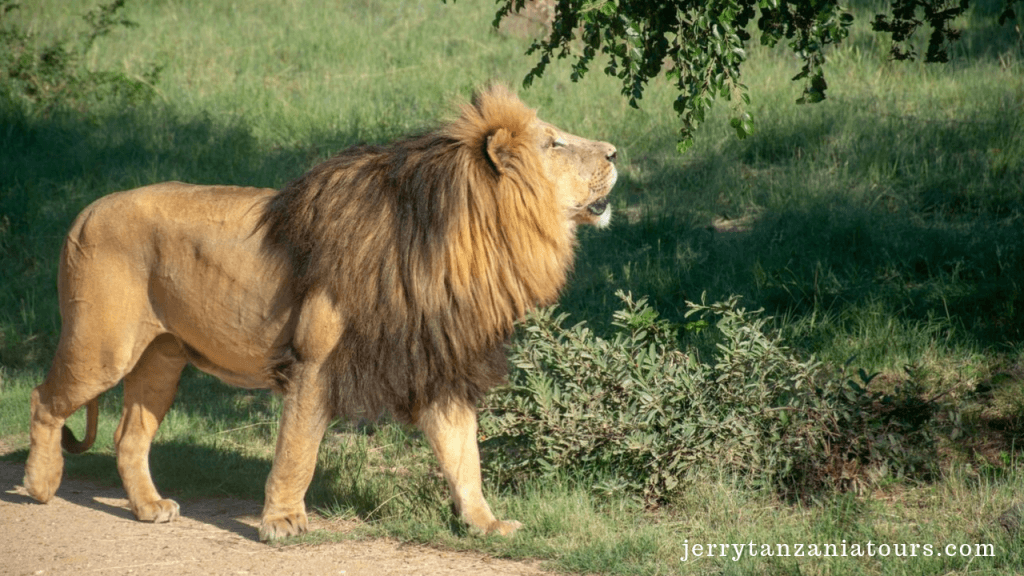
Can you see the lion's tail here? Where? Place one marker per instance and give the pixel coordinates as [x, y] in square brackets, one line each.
[67, 438]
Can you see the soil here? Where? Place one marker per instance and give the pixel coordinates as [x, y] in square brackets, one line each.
[88, 529]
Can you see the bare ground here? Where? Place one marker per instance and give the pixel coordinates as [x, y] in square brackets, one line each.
[88, 529]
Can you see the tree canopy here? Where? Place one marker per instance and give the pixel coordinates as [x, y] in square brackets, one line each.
[700, 45]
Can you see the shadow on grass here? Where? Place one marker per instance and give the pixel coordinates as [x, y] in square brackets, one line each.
[918, 220]
[823, 259]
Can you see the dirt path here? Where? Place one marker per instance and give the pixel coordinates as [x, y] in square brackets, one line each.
[87, 529]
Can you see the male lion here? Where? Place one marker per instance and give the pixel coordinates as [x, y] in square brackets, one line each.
[386, 278]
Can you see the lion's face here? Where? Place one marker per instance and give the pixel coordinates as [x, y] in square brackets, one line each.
[583, 172]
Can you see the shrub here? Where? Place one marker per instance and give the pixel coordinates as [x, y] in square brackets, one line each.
[635, 414]
[54, 74]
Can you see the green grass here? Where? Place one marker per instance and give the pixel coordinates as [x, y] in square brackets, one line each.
[885, 224]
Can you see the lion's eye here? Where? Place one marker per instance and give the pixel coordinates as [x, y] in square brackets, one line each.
[557, 143]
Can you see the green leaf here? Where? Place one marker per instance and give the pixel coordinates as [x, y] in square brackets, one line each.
[684, 144]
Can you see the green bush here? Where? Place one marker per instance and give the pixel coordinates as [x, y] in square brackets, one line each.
[46, 76]
[635, 414]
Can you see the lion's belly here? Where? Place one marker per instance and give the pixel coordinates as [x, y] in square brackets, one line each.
[236, 336]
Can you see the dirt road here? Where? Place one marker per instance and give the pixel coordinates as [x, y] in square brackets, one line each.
[88, 529]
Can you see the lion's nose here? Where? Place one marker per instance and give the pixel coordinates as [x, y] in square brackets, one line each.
[610, 153]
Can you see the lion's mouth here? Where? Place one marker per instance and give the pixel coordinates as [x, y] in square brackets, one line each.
[598, 206]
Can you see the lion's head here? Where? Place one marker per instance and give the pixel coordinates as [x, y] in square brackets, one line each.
[581, 171]
[585, 172]
[438, 243]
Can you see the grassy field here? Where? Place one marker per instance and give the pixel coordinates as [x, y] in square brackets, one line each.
[885, 225]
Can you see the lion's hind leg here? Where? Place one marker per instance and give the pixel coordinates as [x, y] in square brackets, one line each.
[149, 390]
[107, 322]
[451, 431]
[56, 398]
[78, 375]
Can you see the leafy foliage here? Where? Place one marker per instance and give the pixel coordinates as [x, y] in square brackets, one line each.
[635, 414]
[907, 16]
[701, 44]
[54, 74]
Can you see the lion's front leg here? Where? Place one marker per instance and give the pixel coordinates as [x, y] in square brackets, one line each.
[304, 419]
[451, 431]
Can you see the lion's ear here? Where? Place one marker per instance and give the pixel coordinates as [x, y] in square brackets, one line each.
[499, 149]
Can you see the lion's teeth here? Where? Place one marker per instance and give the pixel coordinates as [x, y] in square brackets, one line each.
[597, 208]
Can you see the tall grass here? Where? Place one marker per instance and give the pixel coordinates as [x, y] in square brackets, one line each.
[884, 224]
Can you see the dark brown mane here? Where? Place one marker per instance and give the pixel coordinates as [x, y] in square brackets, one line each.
[430, 250]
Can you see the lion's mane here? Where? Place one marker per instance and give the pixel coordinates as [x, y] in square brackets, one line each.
[430, 251]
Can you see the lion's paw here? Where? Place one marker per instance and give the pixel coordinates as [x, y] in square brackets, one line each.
[159, 511]
[280, 526]
[504, 527]
[42, 489]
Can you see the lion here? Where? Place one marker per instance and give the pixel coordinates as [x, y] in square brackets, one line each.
[387, 278]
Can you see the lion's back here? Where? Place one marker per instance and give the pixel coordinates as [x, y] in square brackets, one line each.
[133, 215]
